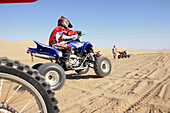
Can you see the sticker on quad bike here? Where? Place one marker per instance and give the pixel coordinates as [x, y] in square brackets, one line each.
[76, 44]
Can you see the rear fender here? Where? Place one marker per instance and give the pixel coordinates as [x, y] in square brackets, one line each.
[44, 49]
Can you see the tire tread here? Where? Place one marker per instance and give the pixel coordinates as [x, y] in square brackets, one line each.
[96, 66]
[16, 65]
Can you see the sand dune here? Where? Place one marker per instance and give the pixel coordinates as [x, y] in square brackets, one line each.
[140, 84]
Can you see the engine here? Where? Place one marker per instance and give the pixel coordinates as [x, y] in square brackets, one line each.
[76, 52]
[74, 60]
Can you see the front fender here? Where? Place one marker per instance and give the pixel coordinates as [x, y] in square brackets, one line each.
[85, 45]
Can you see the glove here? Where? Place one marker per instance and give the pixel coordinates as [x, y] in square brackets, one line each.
[79, 33]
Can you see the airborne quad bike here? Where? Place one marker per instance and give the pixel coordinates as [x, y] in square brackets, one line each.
[82, 57]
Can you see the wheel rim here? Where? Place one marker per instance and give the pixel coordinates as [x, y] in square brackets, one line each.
[17, 95]
[52, 77]
[105, 66]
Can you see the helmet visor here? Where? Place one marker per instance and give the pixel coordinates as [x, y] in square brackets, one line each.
[70, 25]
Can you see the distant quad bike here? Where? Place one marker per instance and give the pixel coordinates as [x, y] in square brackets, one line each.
[23, 90]
[123, 54]
[81, 59]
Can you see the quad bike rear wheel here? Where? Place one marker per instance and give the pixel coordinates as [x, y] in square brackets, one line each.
[119, 56]
[36, 66]
[54, 75]
[102, 66]
[22, 89]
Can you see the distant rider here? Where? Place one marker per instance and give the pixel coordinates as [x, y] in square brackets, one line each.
[114, 51]
[57, 36]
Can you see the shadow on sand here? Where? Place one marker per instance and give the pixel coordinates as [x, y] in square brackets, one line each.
[75, 76]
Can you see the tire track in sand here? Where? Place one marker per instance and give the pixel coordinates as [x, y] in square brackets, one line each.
[110, 94]
[136, 103]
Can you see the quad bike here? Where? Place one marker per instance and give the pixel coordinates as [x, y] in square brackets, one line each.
[23, 90]
[82, 58]
[123, 54]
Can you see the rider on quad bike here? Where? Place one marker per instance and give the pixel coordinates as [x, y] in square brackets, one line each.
[57, 36]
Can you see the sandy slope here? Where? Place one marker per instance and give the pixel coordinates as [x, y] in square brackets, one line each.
[139, 84]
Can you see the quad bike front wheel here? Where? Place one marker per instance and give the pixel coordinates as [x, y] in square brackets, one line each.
[54, 75]
[23, 90]
[102, 66]
[125, 56]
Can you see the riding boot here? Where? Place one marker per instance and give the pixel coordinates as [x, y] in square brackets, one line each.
[67, 57]
[67, 60]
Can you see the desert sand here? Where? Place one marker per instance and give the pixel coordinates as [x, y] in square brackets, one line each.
[140, 84]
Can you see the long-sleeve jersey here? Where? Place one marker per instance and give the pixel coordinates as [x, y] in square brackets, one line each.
[114, 50]
[58, 32]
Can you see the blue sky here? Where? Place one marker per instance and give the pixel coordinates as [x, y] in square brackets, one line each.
[143, 24]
